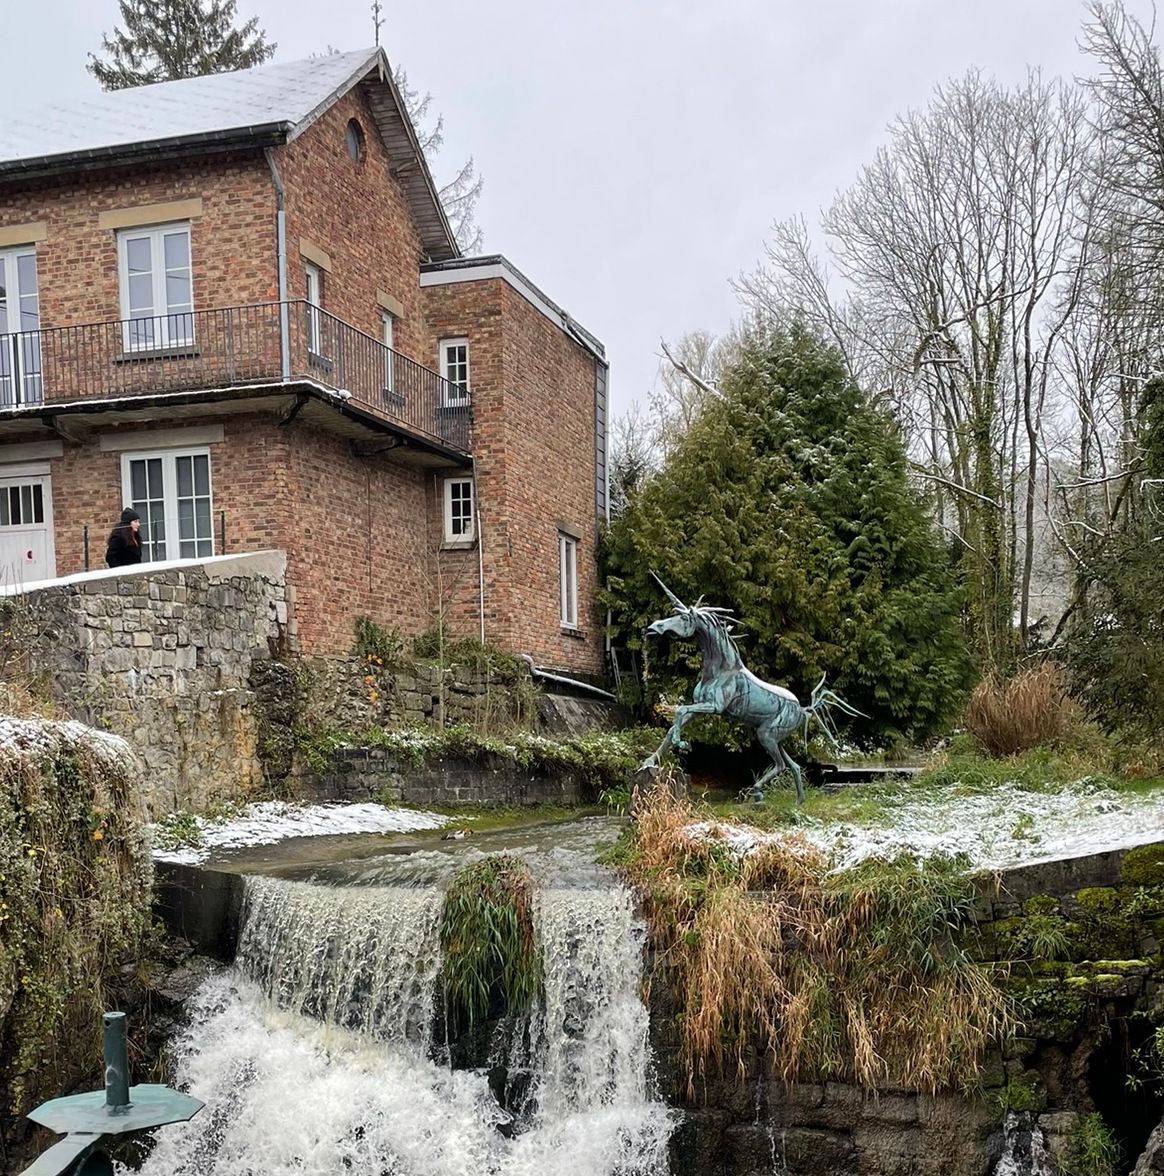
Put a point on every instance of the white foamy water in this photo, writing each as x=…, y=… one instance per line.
x=1024, y=1150
x=312, y=1054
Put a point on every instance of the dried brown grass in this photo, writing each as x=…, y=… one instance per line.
x=1025, y=711
x=853, y=977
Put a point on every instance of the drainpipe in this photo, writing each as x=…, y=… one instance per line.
x=480, y=554
x=281, y=252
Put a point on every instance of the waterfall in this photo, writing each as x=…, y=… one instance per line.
x=1024, y=1150
x=314, y=1053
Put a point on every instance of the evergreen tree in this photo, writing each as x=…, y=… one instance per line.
x=167, y=39
x=788, y=501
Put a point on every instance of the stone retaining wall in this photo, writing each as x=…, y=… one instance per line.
x=1087, y=1015
x=360, y=773
x=163, y=657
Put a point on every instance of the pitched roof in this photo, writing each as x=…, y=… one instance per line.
x=260, y=107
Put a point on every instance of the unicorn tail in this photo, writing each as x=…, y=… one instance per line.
x=824, y=701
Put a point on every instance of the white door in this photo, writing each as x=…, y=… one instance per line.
x=20, y=376
x=26, y=530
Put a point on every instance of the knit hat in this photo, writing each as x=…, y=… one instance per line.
x=129, y=514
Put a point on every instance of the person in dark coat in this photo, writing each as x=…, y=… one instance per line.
x=125, y=540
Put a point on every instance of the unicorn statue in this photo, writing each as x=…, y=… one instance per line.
x=727, y=687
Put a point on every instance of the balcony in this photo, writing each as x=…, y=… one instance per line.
x=231, y=347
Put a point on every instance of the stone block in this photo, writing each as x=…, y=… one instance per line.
x=117, y=660
x=141, y=640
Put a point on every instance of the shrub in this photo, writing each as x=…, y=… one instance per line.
x=374, y=641
x=1029, y=709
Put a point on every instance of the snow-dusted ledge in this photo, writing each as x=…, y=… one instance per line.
x=998, y=827
x=267, y=822
x=271, y=564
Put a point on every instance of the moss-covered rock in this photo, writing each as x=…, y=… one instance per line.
x=1041, y=904
x=1144, y=865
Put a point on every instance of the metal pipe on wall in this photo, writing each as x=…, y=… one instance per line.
x=281, y=260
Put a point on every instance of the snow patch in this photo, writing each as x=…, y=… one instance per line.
x=39, y=736
x=996, y=828
x=269, y=821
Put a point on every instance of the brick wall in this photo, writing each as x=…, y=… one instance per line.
x=248, y=475
x=232, y=241
x=354, y=528
x=357, y=543
x=549, y=423
x=533, y=448
x=357, y=213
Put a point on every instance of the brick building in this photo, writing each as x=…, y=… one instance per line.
x=236, y=304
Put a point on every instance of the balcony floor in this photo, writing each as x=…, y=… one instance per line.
x=299, y=400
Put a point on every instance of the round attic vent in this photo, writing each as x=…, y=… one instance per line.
x=355, y=140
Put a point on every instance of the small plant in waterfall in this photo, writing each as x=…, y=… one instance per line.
x=1092, y=1150
x=856, y=976
x=491, y=958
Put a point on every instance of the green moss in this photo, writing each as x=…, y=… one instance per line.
x=1103, y=929
x=75, y=878
x=1052, y=1009
x=1120, y=967
x=1144, y=865
x=1098, y=900
x=604, y=762
x=1041, y=904
x=1025, y=1092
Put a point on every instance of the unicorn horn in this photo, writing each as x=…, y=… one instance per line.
x=670, y=595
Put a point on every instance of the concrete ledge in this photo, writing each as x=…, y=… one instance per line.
x=271, y=564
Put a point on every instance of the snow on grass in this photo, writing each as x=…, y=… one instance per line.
x=269, y=821
x=996, y=827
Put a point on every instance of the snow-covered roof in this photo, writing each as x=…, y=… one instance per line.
x=258, y=107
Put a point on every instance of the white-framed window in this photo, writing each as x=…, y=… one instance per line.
x=459, y=510
x=20, y=372
x=313, y=277
x=388, y=328
x=171, y=491
x=568, y=579
x=157, y=287
x=454, y=356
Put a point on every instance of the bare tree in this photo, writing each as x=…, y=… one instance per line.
x=459, y=195
x=688, y=373
x=955, y=259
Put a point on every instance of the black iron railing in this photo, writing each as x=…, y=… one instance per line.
x=230, y=347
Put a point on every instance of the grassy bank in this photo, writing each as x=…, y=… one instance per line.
x=856, y=976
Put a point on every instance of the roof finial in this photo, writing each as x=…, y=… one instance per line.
x=377, y=8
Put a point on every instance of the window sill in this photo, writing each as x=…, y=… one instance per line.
x=393, y=399
x=458, y=544
x=455, y=408
x=185, y=351
x=574, y=632
x=319, y=362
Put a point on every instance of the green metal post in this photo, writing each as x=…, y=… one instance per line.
x=116, y=1045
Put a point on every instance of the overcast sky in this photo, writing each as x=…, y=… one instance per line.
x=635, y=152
